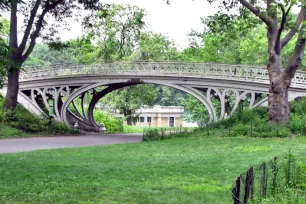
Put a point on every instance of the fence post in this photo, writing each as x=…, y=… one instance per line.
x=249, y=185
x=236, y=191
x=264, y=180
x=274, y=174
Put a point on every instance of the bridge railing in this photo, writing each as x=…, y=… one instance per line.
x=173, y=69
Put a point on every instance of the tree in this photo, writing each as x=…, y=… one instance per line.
x=35, y=13
x=280, y=31
x=167, y=96
x=42, y=55
x=117, y=30
x=195, y=111
x=129, y=99
x=3, y=49
x=155, y=47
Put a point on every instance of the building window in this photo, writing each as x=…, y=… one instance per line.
x=171, y=121
x=141, y=119
x=149, y=119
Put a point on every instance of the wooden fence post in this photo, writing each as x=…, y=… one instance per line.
x=264, y=180
x=274, y=175
x=249, y=185
x=236, y=191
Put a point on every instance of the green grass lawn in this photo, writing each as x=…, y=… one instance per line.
x=189, y=170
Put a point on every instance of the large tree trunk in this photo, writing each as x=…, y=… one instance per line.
x=12, y=88
x=14, y=65
x=279, y=111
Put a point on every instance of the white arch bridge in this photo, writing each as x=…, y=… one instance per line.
x=205, y=81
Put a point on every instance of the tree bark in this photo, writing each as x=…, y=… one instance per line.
x=129, y=117
x=14, y=65
x=12, y=88
x=129, y=121
x=279, y=111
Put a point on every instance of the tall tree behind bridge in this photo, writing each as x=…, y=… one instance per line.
x=35, y=13
x=117, y=30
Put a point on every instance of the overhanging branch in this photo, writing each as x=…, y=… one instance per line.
x=29, y=27
x=292, y=32
x=39, y=25
x=268, y=21
x=296, y=59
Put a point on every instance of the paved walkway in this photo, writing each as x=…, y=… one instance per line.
x=36, y=143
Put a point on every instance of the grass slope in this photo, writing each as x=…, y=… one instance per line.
x=189, y=170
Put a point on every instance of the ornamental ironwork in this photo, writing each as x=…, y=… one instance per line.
x=171, y=69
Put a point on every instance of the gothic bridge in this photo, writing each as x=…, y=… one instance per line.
x=212, y=84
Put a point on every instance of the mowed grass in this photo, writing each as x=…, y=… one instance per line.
x=189, y=170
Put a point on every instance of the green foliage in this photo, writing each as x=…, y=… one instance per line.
x=21, y=122
x=117, y=30
x=4, y=27
x=298, y=123
x=154, y=134
x=155, y=47
x=167, y=96
x=298, y=106
x=112, y=124
x=129, y=99
x=7, y=131
x=285, y=186
x=195, y=111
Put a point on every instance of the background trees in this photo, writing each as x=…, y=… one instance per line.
x=117, y=30
x=129, y=99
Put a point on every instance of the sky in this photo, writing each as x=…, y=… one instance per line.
x=174, y=20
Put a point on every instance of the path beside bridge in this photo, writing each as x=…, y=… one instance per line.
x=38, y=143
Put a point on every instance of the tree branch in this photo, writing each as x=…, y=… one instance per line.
x=292, y=32
x=39, y=25
x=281, y=28
x=296, y=59
x=29, y=27
x=268, y=21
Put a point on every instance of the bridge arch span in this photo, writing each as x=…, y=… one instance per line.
x=69, y=119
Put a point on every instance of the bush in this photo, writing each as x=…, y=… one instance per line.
x=241, y=130
x=111, y=123
x=297, y=123
x=6, y=131
x=153, y=134
x=298, y=106
x=22, y=119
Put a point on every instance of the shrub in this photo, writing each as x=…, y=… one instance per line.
x=111, y=123
x=241, y=130
x=6, y=131
x=297, y=123
x=22, y=119
x=298, y=106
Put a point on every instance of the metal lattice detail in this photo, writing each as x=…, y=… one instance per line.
x=174, y=69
